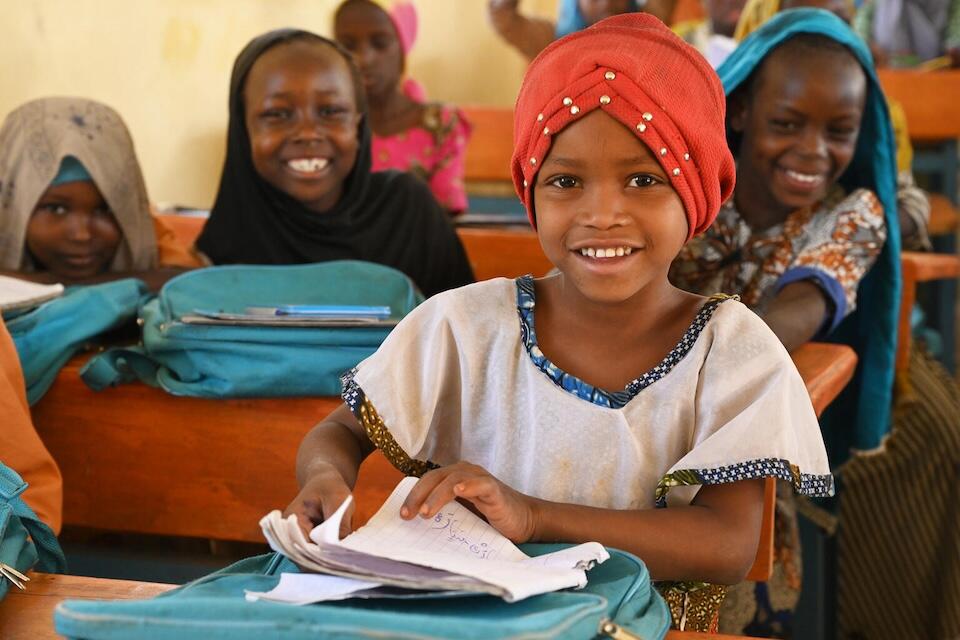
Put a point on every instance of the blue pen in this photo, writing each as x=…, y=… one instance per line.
x=333, y=310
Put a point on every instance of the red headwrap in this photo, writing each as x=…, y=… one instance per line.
x=634, y=68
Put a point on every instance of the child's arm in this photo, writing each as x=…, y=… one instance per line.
x=797, y=313
x=714, y=539
x=529, y=35
x=327, y=464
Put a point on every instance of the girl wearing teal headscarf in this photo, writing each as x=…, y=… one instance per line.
x=809, y=241
x=862, y=315
x=892, y=578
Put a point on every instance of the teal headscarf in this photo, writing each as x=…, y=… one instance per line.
x=571, y=19
x=861, y=416
x=71, y=170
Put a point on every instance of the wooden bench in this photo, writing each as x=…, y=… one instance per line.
x=491, y=145
x=28, y=615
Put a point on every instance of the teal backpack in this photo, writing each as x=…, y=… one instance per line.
x=48, y=336
x=618, y=598
x=25, y=542
x=229, y=361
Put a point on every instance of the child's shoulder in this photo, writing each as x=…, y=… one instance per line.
x=735, y=329
x=473, y=302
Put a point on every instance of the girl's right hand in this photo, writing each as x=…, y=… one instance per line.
x=320, y=496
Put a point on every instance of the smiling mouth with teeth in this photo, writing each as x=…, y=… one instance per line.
x=308, y=165
x=805, y=178
x=611, y=252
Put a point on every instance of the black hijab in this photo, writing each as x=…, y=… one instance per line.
x=388, y=217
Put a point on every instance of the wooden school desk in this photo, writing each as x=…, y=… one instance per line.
x=28, y=615
x=137, y=459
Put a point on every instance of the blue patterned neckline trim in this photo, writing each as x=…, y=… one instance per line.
x=526, y=301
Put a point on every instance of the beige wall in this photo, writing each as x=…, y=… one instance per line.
x=165, y=66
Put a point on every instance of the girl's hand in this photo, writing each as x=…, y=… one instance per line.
x=510, y=512
x=322, y=494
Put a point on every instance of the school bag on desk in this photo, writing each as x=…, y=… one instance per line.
x=224, y=360
x=49, y=335
x=25, y=541
x=618, y=599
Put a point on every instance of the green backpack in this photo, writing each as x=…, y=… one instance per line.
x=48, y=336
x=228, y=361
x=25, y=542
x=618, y=598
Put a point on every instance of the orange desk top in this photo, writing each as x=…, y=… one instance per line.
x=931, y=100
x=28, y=615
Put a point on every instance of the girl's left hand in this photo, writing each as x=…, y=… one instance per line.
x=510, y=512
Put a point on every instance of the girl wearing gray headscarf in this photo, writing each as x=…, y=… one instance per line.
x=73, y=204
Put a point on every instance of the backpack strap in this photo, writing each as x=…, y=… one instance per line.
x=51, y=558
x=119, y=366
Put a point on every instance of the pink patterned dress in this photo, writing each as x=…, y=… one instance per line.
x=435, y=151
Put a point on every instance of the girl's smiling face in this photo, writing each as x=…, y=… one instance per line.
x=799, y=123
x=72, y=232
x=366, y=31
x=301, y=116
x=607, y=216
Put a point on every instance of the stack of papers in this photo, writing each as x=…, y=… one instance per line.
x=453, y=551
x=16, y=294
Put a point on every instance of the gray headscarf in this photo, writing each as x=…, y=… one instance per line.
x=35, y=138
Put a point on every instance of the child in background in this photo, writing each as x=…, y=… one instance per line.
x=713, y=36
x=600, y=403
x=428, y=139
x=530, y=35
x=297, y=186
x=73, y=203
x=812, y=231
x=904, y=33
x=913, y=206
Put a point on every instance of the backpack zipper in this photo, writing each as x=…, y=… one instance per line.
x=609, y=629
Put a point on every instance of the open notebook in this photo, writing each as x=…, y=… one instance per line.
x=18, y=294
x=453, y=551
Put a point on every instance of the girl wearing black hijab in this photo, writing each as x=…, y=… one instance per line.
x=296, y=184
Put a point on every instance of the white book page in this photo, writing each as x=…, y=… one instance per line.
x=453, y=550
x=459, y=542
x=16, y=293
x=308, y=588
x=454, y=530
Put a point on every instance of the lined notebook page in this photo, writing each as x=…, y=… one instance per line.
x=457, y=542
x=455, y=530
x=21, y=294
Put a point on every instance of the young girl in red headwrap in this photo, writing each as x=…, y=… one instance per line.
x=600, y=403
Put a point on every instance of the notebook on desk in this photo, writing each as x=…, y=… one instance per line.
x=455, y=551
x=17, y=294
